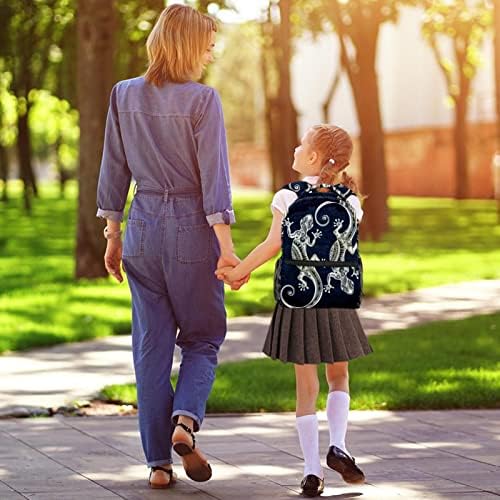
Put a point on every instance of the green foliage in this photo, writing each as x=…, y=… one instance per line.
x=441, y=365
x=210, y=6
x=464, y=23
x=34, y=29
x=354, y=16
x=136, y=18
x=54, y=125
x=8, y=110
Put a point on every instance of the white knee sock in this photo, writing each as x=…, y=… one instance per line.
x=307, y=427
x=337, y=412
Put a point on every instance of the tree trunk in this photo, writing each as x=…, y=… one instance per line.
x=61, y=171
x=364, y=83
x=4, y=172
x=272, y=132
x=361, y=70
x=325, y=107
x=375, y=219
x=280, y=113
x=24, y=157
x=496, y=31
x=460, y=146
x=286, y=122
x=95, y=25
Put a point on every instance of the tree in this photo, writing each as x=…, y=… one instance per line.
x=464, y=24
x=280, y=113
x=136, y=19
x=30, y=48
x=496, y=160
x=357, y=25
x=96, y=22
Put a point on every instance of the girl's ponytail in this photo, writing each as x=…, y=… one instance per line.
x=334, y=145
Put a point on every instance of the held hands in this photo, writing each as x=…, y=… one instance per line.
x=226, y=271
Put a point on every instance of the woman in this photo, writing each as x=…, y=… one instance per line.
x=167, y=132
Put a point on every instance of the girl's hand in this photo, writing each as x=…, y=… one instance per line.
x=229, y=259
x=233, y=275
x=234, y=278
x=113, y=258
x=222, y=271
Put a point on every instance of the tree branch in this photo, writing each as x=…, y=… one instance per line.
x=439, y=60
x=331, y=91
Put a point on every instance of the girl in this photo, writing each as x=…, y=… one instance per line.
x=307, y=337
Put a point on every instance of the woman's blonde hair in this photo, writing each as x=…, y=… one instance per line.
x=177, y=43
x=334, y=147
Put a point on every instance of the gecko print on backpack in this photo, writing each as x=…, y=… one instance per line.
x=320, y=265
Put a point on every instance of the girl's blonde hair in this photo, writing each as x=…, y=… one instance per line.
x=177, y=43
x=334, y=146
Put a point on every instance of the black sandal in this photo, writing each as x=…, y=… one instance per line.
x=162, y=486
x=195, y=464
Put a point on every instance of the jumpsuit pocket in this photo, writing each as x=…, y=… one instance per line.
x=193, y=243
x=133, y=246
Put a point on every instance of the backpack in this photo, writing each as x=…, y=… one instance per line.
x=320, y=265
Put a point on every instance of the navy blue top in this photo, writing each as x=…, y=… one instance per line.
x=169, y=137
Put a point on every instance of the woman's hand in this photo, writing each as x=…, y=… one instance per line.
x=113, y=258
x=229, y=259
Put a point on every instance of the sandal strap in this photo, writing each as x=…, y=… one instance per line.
x=170, y=472
x=189, y=431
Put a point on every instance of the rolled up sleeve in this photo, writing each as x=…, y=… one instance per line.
x=210, y=136
x=114, y=176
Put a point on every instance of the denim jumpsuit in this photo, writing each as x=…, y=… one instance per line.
x=172, y=141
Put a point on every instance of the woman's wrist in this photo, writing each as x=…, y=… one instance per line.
x=227, y=250
x=109, y=234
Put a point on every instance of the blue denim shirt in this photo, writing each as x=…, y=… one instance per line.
x=169, y=137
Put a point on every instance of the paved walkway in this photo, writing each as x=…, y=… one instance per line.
x=405, y=455
x=58, y=375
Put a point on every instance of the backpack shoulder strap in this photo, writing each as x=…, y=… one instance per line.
x=299, y=187
x=343, y=191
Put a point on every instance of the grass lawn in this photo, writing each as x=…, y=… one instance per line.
x=432, y=242
x=446, y=364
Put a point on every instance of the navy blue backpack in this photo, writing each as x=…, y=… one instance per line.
x=320, y=265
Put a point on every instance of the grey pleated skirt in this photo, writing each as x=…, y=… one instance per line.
x=316, y=335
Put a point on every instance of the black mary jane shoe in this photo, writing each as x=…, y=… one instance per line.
x=345, y=465
x=162, y=486
x=312, y=486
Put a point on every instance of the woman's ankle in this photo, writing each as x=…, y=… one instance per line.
x=185, y=420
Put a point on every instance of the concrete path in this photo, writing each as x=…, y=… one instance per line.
x=55, y=376
x=406, y=455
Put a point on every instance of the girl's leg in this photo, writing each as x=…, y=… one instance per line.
x=307, y=387
x=337, y=411
x=337, y=406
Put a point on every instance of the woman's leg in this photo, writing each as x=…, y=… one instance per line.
x=153, y=341
x=198, y=304
x=337, y=406
x=307, y=388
